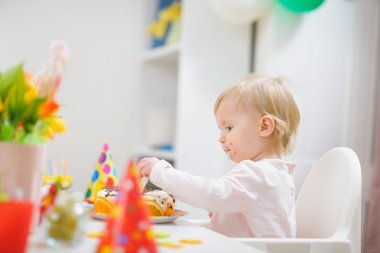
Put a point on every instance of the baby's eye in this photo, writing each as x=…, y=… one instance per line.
x=229, y=128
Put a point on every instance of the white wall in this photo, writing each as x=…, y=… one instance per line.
x=99, y=92
x=329, y=56
x=214, y=54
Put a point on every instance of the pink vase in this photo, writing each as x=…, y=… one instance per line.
x=21, y=171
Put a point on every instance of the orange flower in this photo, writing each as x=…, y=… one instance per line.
x=49, y=108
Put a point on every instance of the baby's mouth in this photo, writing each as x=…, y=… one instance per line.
x=228, y=152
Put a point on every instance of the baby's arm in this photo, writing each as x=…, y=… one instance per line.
x=238, y=189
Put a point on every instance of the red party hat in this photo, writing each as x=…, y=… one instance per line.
x=128, y=228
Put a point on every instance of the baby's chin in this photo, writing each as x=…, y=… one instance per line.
x=233, y=158
x=237, y=159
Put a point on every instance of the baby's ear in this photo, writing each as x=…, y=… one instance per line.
x=267, y=125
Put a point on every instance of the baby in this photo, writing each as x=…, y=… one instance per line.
x=257, y=117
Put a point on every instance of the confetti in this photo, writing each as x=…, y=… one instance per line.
x=190, y=241
x=94, y=234
x=161, y=235
x=170, y=245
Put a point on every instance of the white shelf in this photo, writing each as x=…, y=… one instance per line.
x=159, y=81
x=164, y=54
x=162, y=154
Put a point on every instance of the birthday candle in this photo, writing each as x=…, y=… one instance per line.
x=55, y=168
x=50, y=168
x=64, y=167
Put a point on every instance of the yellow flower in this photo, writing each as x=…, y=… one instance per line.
x=31, y=94
x=57, y=124
x=1, y=106
x=47, y=133
x=31, y=89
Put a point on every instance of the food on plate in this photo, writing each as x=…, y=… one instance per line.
x=106, y=199
x=159, y=203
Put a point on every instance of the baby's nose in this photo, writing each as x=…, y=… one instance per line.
x=222, y=139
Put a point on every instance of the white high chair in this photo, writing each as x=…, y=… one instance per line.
x=328, y=209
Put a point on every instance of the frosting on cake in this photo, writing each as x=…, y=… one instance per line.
x=105, y=199
x=163, y=200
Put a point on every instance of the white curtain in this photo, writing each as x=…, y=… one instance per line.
x=372, y=242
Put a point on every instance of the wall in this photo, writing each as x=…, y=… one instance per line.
x=99, y=92
x=329, y=56
x=214, y=54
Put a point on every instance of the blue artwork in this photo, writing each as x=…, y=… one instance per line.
x=161, y=5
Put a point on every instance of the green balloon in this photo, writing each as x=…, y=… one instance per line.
x=301, y=5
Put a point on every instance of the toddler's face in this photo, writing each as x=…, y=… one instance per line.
x=240, y=131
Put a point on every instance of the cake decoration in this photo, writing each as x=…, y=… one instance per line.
x=106, y=199
x=103, y=175
x=159, y=203
x=128, y=227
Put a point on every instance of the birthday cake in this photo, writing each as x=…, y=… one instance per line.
x=106, y=199
x=159, y=203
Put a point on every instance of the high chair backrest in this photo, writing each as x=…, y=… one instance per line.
x=330, y=196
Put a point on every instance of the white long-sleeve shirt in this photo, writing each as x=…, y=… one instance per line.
x=255, y=199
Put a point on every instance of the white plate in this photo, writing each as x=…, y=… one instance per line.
x=163, y=219
x=155, y=219
x=99, y=216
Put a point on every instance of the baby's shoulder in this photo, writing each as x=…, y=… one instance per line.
x=254, y=164
x=248, y=166
x=266, y=166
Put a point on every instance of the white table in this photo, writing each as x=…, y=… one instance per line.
x=179, y=229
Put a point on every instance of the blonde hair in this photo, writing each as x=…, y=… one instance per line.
x=267, y=96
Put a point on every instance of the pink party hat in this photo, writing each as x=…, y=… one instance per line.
x=128, y=228
x=103, y=175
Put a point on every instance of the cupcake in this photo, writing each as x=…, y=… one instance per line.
x=159, y=203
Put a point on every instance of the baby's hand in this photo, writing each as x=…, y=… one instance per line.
x=210, y=214
x=146, y=165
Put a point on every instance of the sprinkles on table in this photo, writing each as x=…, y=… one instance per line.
x=174, y=245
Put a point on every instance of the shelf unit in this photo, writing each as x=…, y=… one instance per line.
x=163, y=55
x=159, y=82
x=163, y=154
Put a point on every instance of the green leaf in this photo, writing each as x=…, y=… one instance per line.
x=6, y=131
x=31, y=115
x=14, y=102
x=13, y=76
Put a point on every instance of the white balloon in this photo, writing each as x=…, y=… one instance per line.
x=240, y=12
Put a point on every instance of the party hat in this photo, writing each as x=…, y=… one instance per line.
x=103, y=175
x=48, y=199
x=128, y=227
